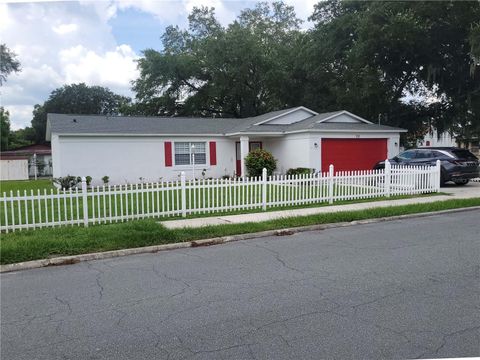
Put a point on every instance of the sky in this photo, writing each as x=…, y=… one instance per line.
x=95, y=42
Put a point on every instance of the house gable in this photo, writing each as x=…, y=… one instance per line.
x=344, y=117
x=289, y=117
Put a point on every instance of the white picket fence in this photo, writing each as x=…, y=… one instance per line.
x=107, y=204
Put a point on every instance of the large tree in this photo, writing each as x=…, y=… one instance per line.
x=76, y=99
x=8, y=63
x=4, y=129
x=408, y=63
x=236, y=71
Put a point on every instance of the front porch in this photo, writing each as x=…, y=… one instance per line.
x=290, y=151
x=245, y=144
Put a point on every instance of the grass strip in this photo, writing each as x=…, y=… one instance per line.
x=21, y=185
x=49, y=242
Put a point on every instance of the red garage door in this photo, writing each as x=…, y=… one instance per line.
x=352, y=154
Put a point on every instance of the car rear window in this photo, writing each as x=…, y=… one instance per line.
x=463, y=154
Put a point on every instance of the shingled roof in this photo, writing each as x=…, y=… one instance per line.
x=139, y=125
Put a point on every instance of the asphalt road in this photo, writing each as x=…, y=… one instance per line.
x=400, y=289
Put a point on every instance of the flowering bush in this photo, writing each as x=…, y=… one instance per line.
x=258, y=159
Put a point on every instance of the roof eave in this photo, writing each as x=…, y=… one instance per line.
x=254, y=133
x=48, y=132
x=132, y=134
x=347, y=130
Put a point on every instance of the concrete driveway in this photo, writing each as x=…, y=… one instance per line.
x=472, y=189
x=393, y=290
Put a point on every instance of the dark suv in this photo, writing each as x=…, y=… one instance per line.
x=458, y=165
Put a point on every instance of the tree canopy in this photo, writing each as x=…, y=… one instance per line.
x=402, y=63
x=8, y=63
x=409, y=64
x=4, y=129
x=236, y=71
x=76, y=99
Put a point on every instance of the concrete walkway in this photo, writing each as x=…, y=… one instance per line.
x=471, y=190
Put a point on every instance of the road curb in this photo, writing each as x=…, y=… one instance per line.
x=74, y=259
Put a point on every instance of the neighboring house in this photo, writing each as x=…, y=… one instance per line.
x=42, y=153
x=13, y=167
x=133, y=149
x=433, y=139
x=448, y=139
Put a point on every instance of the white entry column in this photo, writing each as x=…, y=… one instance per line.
x=243, y=153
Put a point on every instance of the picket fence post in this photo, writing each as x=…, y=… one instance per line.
x=388, y=177
x=330, y=184
x=184, y=194
x=84, y=201
x=438, y=174
x=264, y=189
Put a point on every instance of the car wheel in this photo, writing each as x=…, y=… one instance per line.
x=461, y=182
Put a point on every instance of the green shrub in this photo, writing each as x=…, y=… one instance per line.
x=88, y=179
x=258, y=159
x=67, y=182
x=105, y=179
x=299, y=171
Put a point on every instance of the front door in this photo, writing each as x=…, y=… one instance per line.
x=252, y=145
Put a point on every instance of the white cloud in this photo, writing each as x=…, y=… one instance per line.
x=61, y=43
x=63, y=29
x=114, y=69
x=303, y=9
x=176, y=12
x=23, y=115
x=5, y=18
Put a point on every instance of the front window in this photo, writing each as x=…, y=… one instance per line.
x=184, y=151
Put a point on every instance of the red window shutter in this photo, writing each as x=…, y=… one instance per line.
x=168, y=153
x=213, y=153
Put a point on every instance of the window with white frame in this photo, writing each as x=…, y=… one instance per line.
x=184, y=151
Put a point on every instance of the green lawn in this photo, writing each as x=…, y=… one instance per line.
x=115, y=205
x=42, y=243
x=21, y=185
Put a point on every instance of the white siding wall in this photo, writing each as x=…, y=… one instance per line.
x=291, y=151
x=14, y=169
x=127, y=159
x=445, y=139
x=299, y=150
x=56, y=164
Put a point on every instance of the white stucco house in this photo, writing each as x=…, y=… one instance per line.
x=432, y=138
x=133, y=149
